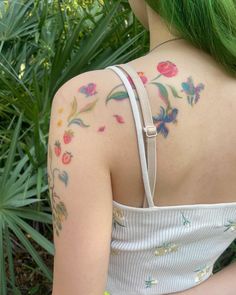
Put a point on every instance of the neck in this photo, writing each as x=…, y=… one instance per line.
x=158, y=30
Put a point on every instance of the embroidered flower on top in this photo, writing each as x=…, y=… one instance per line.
x=186, y=222
x=118, y=217
x=114, y=252
x=231, y=225
x=166, y=248
x=202, y=272
x=150, y=282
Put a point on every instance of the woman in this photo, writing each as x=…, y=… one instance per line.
x=100, y=184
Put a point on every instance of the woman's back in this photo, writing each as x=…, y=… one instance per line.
x=170, y=247
x=166, y=247
x=196, y=158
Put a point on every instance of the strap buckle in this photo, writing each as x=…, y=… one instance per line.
x=150, y=131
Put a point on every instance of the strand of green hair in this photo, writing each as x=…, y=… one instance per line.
x=207, y=24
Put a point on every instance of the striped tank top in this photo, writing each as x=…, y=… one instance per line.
x=167, y=249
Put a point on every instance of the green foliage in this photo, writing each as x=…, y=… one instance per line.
x=20, y=188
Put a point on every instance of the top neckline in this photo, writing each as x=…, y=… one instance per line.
x=175, y=207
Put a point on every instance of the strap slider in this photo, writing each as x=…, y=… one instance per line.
x=150, y=131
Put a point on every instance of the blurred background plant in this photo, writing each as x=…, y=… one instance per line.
x=44, y=43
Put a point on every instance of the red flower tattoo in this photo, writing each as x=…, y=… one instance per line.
x=167, y=68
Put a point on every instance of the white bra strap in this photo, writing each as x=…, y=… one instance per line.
x=139, y=130
x=149, y=127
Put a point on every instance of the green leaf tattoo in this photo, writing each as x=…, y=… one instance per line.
x=174, y=91
x=79, y=122
x=73, y=116
x=163, y=93
x=119, y=95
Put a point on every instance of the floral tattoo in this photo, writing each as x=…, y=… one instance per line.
x=73, y=117
x=59, y=211
x=168, y=114
x=88, y=90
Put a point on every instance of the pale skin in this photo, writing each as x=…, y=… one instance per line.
x=223, y=282
x=88, y=152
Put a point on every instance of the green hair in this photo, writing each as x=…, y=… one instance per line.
x=207, y=24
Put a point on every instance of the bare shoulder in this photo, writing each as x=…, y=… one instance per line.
x=84, y=105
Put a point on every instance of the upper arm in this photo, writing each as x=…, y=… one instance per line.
x=80, y=191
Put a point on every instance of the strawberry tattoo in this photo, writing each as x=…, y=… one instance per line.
x=66, y=158
x=57, y=148
x=67, y=137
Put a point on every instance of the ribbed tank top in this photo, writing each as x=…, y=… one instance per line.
x=167, y=249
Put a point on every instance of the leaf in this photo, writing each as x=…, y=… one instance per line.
x=63, y=176
x=119, y=95
x=3, y=285
x=61, y=210
x=34, y=234
x=163, y=93
x=88, y=107
x=10, y=260
x=32, y=214
x=21, y=203
x=79, y=122
x=90, y=47
x=174, y=91
x=73, y=109
x=11, y=152
x=29, y=247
